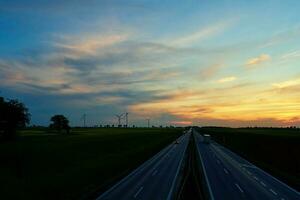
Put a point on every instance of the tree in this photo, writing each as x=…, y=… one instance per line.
x=60, y=122
x=13, y=115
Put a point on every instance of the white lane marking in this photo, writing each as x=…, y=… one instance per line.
x=263, y=183
x=225, y=170
x=237, y=185
x=255, y=178
x=153, y=174
x=273, y=191
x=248, y=166
x=221, y=148
x=249, y=173
x=137, y=193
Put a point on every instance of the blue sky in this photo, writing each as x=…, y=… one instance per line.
x=231, y=63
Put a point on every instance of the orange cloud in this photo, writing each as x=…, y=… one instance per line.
x=287, y=84
x=210, y=71
x=227, y=79
x=258, y=60
x=228, y=104
x=181, y=123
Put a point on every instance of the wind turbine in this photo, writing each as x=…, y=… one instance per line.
x=83, y=117
x=126, y=117
x=119, y=119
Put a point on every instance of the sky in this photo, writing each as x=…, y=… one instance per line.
x=194, y=62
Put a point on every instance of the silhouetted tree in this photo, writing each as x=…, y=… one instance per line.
x=60, y=122
x=13, y=115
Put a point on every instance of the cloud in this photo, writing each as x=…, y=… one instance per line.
x=210, y=71
x=227, y=79
x=202, y=33
x=291, y=55
x=90, y=71
x=281, y=37
x=181, y=123
x=289, y=87
x=212, y=106
x=286, y=84
x=258, y=60
x=89, y=45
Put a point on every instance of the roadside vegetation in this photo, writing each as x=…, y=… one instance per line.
x=276, y=150
x=13, y=116
x=42, y=164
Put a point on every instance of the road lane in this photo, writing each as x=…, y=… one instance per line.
x=155, y=179
x=232, y=177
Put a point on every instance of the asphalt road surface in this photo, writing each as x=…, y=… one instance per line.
x=228, y=176
x=155, y=179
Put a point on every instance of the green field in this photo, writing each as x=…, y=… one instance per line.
x=275, y=150
x=41, y=165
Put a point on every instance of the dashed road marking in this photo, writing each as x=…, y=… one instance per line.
x=225, y=170
x=237, y=185
x=255, y=178
x=153, y=174
x=263, y=183
x=273, y=192
x=137, y=193
x=248, y=166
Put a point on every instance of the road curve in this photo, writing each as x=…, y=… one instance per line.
x=228, y=176
x=156, y=178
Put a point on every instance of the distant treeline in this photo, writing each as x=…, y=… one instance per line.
x=254, y=127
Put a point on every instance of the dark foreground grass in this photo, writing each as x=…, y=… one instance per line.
x=41, y=165
x=275, y=150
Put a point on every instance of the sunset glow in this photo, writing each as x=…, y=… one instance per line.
x=176, y=62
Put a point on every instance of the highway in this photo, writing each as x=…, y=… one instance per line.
x=228, y=176
x=157, y=178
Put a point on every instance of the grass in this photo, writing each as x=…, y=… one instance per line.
x=43, y=165
x=276, y=150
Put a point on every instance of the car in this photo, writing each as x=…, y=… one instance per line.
x=206, y=138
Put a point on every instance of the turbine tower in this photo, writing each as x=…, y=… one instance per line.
x=126, y=117
x=83, y=117
x=119, y=119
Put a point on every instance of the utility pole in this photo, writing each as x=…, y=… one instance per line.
x=148, y=120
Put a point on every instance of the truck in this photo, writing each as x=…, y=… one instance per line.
x=206, y=138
